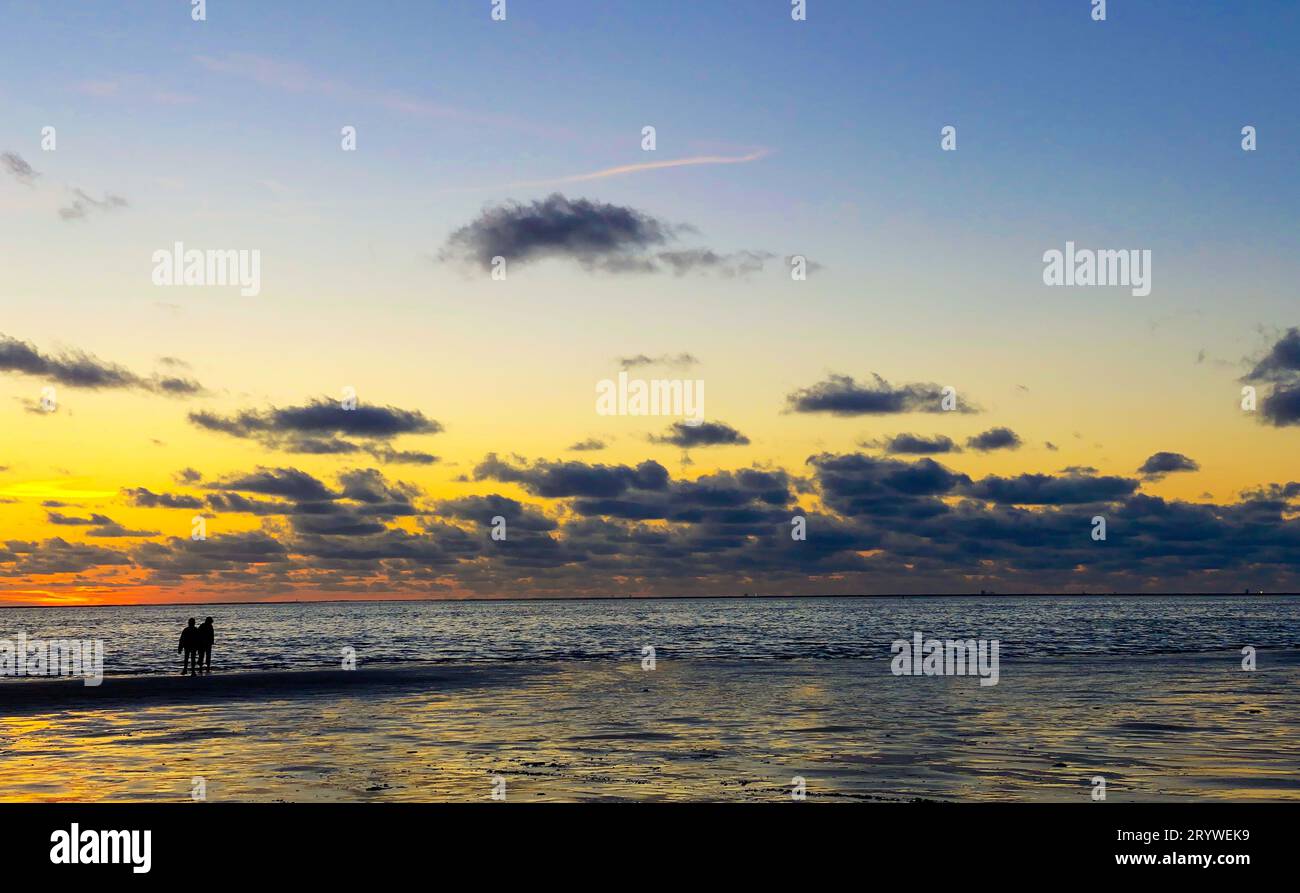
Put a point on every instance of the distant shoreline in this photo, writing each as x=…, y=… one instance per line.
x=666, y=598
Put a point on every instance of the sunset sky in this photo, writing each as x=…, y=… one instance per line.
x=523, y=139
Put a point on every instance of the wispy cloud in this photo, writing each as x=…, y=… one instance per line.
x=623, y=170
x=83, y=205
x=19, y=168
x=293, y=77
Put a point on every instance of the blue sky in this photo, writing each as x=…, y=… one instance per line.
x=1116, y=134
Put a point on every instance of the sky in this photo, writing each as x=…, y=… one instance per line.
x=129, y=408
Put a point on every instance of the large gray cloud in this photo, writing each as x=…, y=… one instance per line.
x=1282, y=362
x=1046, y=489
x=321, y=426
x=1281, y=368
x=597, y=236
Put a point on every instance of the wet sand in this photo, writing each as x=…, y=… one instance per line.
x=1167, y=727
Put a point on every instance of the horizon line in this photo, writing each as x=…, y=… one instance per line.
x=646, y=598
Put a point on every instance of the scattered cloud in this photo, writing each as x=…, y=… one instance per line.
x=681, y=360
x=841, y=395
x=84, y=205
x=915, y=444
x=99, y=525
x=702, y=435
x=78, y=369
x=995, y=439
x=597, y=236
x=320, y=426
x=1160, y=464
x=589, y=445
x=19, y=168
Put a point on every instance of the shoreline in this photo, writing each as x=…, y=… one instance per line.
x=1156, y=728
x=40, y=693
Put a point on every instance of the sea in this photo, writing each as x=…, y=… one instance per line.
x=142, y=640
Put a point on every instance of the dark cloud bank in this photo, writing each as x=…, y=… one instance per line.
x=874, y=523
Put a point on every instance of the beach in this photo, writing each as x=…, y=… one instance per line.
x=1156, y=727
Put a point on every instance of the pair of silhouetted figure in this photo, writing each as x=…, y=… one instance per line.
x=196, y=642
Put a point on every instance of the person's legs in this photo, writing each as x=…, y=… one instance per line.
x=205, y=659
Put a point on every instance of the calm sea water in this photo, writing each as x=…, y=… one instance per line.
x=291, y=636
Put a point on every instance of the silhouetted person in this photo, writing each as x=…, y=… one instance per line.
x=206, y=635
x=190, y=637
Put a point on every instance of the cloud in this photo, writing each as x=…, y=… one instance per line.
x=679, y=360
x=1282, y=406
x=389, y=456
x=145, y=498
x=101, y=525
x=482, y=509
x=318, y=427
x=995, y=439
x=599, y=237
x=19, y=168
x=916, y=444
x=83, y=205
x=874, y=523
x=554, y=480
x=286, y=482
x=705, y=260
x=702, y=435
x=55, y=556
x=1281, y=368
x=596, y=235
x=1043, y=489
x=294, y=78
x=1282, y=362
x=859, y=485
x=810, y=266
x=78, y=369
x=1160, y=464
x=588, y=445
x=65, y=520
x=840, y=395
x=625, y=169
